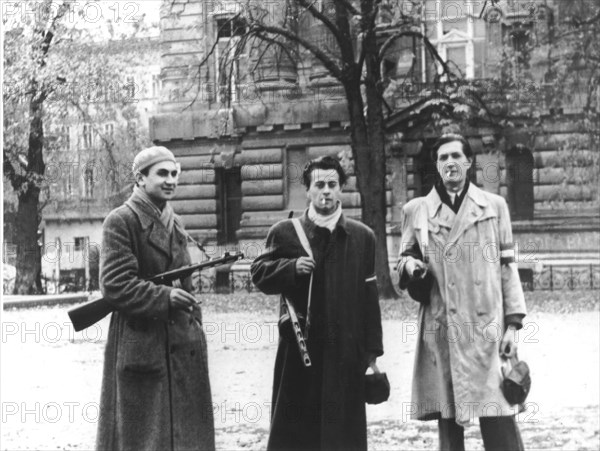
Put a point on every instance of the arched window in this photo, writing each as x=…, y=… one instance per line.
x=519, y=181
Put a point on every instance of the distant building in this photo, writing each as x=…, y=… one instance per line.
x=243, y=160
x=84, y=185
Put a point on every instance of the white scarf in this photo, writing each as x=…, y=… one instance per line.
x=327, y=222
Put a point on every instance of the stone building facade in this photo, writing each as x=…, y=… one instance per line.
x=242, y=160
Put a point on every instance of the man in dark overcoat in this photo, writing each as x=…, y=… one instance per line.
x=473, y=307
x=322, y=407
x=155, y=387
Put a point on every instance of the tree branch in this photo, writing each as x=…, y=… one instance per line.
x=204, y=60
x=281, y=45
x=323, y=19
x=349, y=7
x=335, y=70
x=16, y=179
x=424, y=39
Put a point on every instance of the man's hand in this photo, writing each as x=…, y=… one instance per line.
x=305, y=265
x=370, y=357
x=508, y=346
x=414, y=265
x=182, y=300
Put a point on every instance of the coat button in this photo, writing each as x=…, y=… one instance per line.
x=451, y=285
x=453, y=311
x=478, y=282
x=172, y=322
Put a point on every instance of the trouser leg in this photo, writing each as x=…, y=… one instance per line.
x=451, y=435
x=500, y=434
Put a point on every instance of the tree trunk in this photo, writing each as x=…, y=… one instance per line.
x=29, y=264
x=374, y=206
x=369, y=158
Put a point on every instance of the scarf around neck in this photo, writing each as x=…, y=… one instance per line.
x=455, y=203
x=166, y=216
x=327, y=222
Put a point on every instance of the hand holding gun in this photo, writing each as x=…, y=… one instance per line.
x=85, y=315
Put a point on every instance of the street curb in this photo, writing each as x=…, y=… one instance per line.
x=24, y=302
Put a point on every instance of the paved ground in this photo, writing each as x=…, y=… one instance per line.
x=51, y=376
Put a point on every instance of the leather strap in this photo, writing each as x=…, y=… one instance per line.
x=306, y=245
x=424, y=231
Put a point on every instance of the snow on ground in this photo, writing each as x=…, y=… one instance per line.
x=51, y=377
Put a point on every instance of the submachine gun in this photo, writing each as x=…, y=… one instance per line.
x=91, y=312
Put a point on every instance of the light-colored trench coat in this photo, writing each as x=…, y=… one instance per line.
x=155, y=385
x=457, y=370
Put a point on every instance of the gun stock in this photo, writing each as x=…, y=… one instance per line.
x=88, y=314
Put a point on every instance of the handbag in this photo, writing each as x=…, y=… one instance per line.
x=517, y=380
x=420, y=288
x=377, y=386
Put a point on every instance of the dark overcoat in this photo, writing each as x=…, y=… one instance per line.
x=323, y=407
x=155, y=387
x=457, y=371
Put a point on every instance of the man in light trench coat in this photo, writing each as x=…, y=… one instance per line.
x=475, y=303
x=155, y=386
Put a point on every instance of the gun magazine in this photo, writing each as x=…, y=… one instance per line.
x=298, y=334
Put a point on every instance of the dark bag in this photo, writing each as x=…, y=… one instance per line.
x=377, y=386
x=517, y=380
x=420, y=289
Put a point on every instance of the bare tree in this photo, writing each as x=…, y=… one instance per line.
x=44, y=51
x=349, y=46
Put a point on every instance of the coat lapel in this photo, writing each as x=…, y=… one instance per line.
x=158, y=236
x=472, y=210
x=438, y=216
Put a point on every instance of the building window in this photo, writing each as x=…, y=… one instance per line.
x=65, y=136
x=295, y=189
x=229, y=185
x=130, y=88
x=68, y=185
x=80, y=243
x=156, y=86
x=132, y=132
x=88, y=182
x=520, y=37
x=460, y=37
x=229, y=31
x=88, y=136
x=519, y=181
x=109, y=132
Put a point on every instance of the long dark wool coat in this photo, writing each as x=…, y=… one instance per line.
x=155, y=387
x=323, y=407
